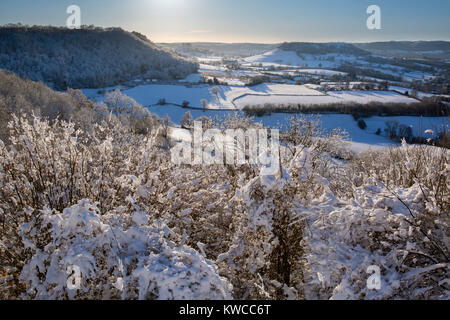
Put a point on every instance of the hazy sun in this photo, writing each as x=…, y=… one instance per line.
x=168, y=3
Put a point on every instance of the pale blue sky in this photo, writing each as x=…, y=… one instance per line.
x=246, y=20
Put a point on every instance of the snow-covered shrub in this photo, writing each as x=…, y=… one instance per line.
x=18, y=96
x=374, y=229
x=306, y=131
x=54, y=166
x=266, y=257
x=130, y=113
x=111, y=202
x=422, y=168
x=118, y=258
x=51, y=167
x=207, y=123
x=266, y=242
x=397, y=222
x=236, y=121
x=396, y=219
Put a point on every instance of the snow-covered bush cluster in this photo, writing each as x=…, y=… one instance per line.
x=119, y=257
x=396, y=219
x=18, y=96
x=98, y=201
x=86, y=58
x=109, y=200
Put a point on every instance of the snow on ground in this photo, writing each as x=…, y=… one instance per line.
x=193, y=78
x=322, y=72
x=282, y=89
x=227, y=98
x=417, y=75
x=207, y=60
x=220, y=71
x=420, y=94
x=234, y=95
x=371, y=96
x=245, y=73
x=281, y=58
x=276, y=56
x=362, y=97
x=419, y=125
x=361, y=140
x=210, y=68
x=290, y=58
x=147, y=95
x=297, y=72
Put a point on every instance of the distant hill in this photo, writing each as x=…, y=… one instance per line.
x=409, y=49
x=406, y=45
x=323, y=48
x=205, y=49
x=86, y=58
x=348, y=58
x=391, y=49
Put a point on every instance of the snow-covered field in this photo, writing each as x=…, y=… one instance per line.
x=223, y=100
x=147, y=95
x=362, y=97
x=193, y=78
x=150, y=94
x=230, y=99
x=282, y=58
x=295, y=72
x=207, y=68
x=361, y=140
x=237, y=97
x=420, y=94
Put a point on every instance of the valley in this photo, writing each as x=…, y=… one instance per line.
x=135, y=170
x=275, y=85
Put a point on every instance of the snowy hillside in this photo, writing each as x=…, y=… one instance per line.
x=92, y=57
x=346, y=60
x=312, y=55
x=276, y=56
